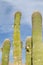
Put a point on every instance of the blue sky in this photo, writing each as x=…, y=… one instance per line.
x=7, y=10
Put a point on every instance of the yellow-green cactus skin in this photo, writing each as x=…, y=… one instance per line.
x=28, y=51
x=37, y=39
x=17, y=52
x=5, y=52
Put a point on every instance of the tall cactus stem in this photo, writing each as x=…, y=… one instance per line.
x=17, y=52
x=37, y=38
x=5, y=52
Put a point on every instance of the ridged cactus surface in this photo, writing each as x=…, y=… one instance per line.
x=28, y=51
x=16, y=40
x=5, y=52
x=37, y=39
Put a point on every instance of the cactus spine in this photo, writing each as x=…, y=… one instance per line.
x=5, y=52
x=37, y=39
x=16, y=40
x=28, y=51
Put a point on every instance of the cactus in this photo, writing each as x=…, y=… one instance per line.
x=28, y=51
x=16, y=40
x=37, y=39
x=5, y=52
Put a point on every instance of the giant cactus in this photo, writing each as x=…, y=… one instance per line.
x=5, y=52
x=37, y=39
x=28, y=51
x=16, y=40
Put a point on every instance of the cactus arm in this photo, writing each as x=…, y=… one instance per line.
x=5, y=52
x=37, y=39
x=28, y=51
x=16, y=40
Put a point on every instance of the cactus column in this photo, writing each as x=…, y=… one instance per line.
x=5, y=52
x=37, y=39
x=28, y=51
x=16, y=40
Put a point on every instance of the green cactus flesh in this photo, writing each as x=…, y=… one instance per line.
x=5, y=52
x=37, y=39
x=28, y=51
x=16, y=40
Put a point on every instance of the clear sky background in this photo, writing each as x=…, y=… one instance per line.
x=7, y=10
